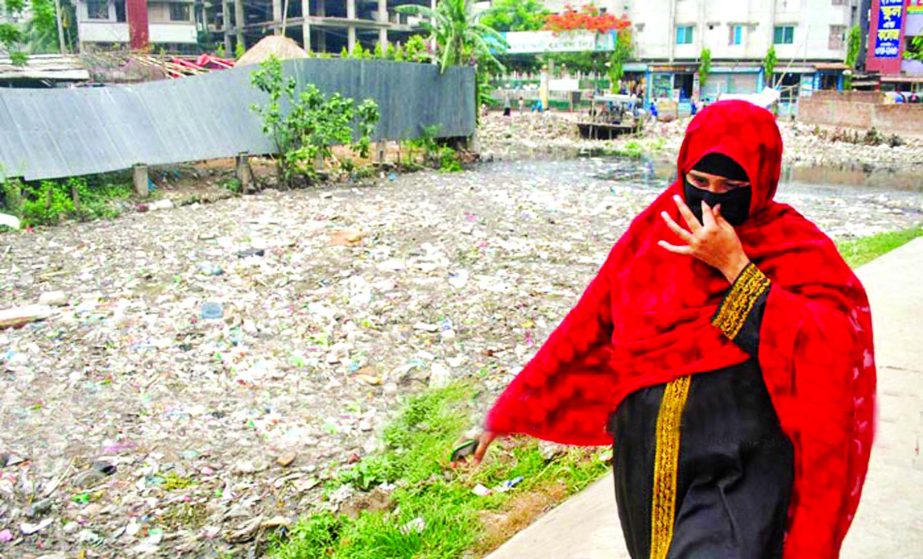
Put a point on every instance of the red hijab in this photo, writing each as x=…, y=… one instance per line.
x=645, y=319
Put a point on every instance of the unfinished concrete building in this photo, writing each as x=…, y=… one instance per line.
x=321, y=25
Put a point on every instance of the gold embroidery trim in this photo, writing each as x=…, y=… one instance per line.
x=666, y=461
x=739, y=302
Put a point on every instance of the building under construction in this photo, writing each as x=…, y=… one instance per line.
x=318, y=25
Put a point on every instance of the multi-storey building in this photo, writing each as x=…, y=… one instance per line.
x=894, y=26
x=809, y=37
x=168, y=25
x=322, y=25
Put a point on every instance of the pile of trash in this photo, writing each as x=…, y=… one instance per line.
x=182, y=382
x=534, y=134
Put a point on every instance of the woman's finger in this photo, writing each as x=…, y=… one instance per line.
x=719, y=219
x=708, y=218
x=484, y=441
x=687, y=214
x=675, y=249
x=680, y=232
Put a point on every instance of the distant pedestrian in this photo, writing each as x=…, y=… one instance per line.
x=898, y=97
x=724, y=350
x=653, y=109
x=522, y=105
x=914, y=97
x=507, y=110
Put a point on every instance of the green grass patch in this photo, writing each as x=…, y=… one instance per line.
x=860, y=251
x=50, y=202
x=432, y=511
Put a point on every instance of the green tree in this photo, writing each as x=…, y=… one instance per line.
x=915, y=49
x=516, y=15
x=704, y=66
x=358, y=52
x=853, y=44
x=769, y=66
x=12, y=35
x=38, y=34
x=416, y=51
x=42, y=29
x=313, y=123
x=461, y=38
x=624, y=50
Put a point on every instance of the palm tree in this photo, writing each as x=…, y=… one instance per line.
x=460, y=37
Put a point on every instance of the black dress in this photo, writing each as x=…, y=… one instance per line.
x=702, y=467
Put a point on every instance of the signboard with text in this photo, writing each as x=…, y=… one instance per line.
x=888, y=34
x=915, y=6
x=525, y=42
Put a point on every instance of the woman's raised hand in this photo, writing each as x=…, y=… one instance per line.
x=713, y=241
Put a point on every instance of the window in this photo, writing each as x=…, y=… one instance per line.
x=179, y=12
x=737, y=35
x=836, y=37
x=783, y=35
x=684, y=35
x=98, y=9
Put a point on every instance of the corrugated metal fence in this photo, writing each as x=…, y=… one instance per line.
x=53, y=133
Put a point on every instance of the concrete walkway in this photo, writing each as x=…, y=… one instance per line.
x=889, y=523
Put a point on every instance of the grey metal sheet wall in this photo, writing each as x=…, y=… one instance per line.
x=53, y=133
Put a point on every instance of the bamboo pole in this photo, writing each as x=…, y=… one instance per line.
x=57, y=14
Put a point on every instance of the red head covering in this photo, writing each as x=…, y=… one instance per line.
x=646, y=319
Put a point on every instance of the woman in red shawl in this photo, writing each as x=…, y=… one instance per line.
x=726, y=348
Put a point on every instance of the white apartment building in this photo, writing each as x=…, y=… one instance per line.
x=171, y=24
x=809, y=37
x=741, y=30
x=734, y=29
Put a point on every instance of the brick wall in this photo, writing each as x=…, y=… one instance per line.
x=862, y=110
x=873, y=97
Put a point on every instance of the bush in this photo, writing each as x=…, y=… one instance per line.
x=232, y=184
x=415, y=50
x=11, y=196
x=303, y=136
x=51, y=202
x=448, y=160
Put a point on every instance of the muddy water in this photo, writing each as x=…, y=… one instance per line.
x=658, y=172
x=856, y=176
x=843, y=202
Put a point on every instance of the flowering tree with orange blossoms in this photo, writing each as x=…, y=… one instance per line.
x=588, y=18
